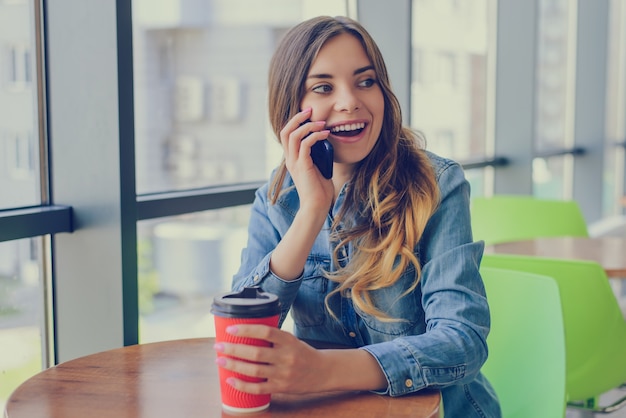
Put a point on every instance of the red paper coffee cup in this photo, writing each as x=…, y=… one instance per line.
x=250, y=306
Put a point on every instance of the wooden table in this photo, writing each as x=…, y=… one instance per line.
x=179, y=379
x=609, y=252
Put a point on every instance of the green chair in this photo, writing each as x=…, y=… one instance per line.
x=526, y=363
x=595, y=330
x=503, y=218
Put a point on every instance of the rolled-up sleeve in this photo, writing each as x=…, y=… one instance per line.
x=254, y=270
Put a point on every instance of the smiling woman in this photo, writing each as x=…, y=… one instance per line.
x=373, y=258
x=182, y=132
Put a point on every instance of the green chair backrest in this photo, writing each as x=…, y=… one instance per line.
x=595, y=330
x=526, y=363
x=503, y=218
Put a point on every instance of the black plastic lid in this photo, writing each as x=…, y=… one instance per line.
x=251, y=302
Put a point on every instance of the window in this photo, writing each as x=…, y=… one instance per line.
x=24, y=307
x=201, y=121
x=184, y=262
x=200, y=91
x=449, y=91
x=19, y=104
x=615, y=144
x=554, y=97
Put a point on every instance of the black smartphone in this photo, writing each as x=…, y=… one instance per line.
x=322, y=155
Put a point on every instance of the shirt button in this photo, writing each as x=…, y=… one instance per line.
x=352, y=334
x=257, y=279
x=408, y=383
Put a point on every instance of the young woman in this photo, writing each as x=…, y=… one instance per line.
x=379, y=258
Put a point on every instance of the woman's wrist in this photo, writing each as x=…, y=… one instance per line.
x=290, y=255
x=351, y=369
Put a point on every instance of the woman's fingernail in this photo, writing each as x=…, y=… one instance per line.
x=308, y=109
x=218, y=347
x=232, y=329
x=220, y=361
x=230, y=381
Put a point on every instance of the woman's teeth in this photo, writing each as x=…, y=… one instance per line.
x=348, y=129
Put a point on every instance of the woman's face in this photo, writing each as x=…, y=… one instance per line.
x=342, y=89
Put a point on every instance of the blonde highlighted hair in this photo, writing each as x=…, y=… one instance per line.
x=393, y=191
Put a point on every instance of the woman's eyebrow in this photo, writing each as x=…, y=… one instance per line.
x=363, y=69
x=356, y=72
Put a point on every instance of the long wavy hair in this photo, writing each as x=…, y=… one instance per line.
x=393, y=191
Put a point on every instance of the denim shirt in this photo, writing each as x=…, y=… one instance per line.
x=440, y=341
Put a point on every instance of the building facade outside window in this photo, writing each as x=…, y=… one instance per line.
x=23, y=272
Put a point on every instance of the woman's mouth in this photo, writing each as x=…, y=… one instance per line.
x=348, y=130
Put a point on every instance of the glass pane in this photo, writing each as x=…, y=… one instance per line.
x=21, y=313
x=548, y=177
x=19, y=156
x=200, y=88
x=449, y=75
x=183, y=262
x=615, y=111
x=555, y=104
x=554, y=75
x=476, y=179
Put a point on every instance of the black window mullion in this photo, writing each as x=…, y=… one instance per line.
x=35, y=221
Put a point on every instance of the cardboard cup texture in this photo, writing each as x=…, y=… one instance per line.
x=250, y=306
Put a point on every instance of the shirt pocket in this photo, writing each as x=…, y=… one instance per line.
x=309, y=309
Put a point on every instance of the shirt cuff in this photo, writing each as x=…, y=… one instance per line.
x=403, y=372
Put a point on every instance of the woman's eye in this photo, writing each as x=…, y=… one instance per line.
x=369, y=82
x=324, y=88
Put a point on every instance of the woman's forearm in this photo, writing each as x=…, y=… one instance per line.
x=290, y=255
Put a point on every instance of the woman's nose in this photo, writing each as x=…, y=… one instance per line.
x=347, y=101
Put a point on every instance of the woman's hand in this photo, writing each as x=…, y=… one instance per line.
x=293, y=366
x=289, y=366
x=314, y=190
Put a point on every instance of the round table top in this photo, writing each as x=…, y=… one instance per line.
x=178, y=378
x=609, y=252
